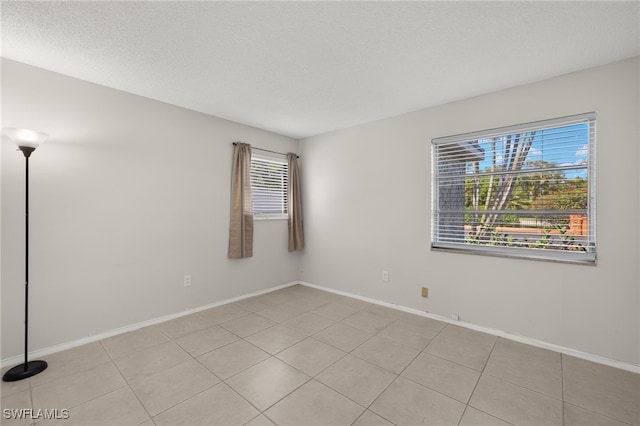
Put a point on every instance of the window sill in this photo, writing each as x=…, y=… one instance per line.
x=270, y=217
x=580, y=258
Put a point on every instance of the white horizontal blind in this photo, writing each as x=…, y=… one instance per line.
x=524, y=191
x=269, y=178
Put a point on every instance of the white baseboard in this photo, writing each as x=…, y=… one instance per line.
x=522, y=339
x=94, y=338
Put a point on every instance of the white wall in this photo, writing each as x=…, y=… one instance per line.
x=130, y=194
x=127, y=196
x=367, y=208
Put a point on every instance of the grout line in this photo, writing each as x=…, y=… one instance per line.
x=131, y=389
x=600, y=414
x=15, y=360
x=276, y=402
x=493, y=347
x=622, y=365
x=313, y=378
x=177, y=403
x=244, y=369
x=520, y=385
x=397, y=375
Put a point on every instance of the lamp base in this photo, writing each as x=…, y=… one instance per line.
x=19, y=372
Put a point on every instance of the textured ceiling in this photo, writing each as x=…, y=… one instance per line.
x=304, y=68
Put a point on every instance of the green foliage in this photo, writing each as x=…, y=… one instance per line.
x=491, y=238
x=538, y=186
x=538, y=190
x=528, y=187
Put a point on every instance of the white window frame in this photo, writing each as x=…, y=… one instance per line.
x=258, y=159
x=446, y=231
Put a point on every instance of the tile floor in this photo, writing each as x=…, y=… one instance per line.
x=300, y=356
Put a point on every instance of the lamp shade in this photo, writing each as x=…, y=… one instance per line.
x=25, y=137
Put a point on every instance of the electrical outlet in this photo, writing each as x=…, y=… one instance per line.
x=455, y=317
x=385, y=276
x=187, y=281
x=425, y=292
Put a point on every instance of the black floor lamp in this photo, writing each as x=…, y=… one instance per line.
x=27, y=141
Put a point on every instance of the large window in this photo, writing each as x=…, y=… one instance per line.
x=269, y=175
x=524, y=191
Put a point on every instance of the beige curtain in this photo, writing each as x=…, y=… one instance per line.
x=241, y=224
x=296, y=233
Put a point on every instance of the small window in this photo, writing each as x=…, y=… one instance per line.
x=269, y=176
x=522, y=191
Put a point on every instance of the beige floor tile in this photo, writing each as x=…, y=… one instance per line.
x=311, y=356
x=383, y=311
x=422, y=321
x=314, y=404
x=16, y=403
x=407, y=334
x=118, y=408
x=308, y=323
x=475, y=417
x=335, y=311
x=281, y=312
x=356, y=379
x=64, y=363
x=223, y=313
x=260, y=420
x=257, y=303
x=275, y=339
x=444, y=376
x=148, y=362
x=310, y=302
x=79, y=388
x=464, y=346
x=127, y=343
x=534, y=368
x=343, y=337
x=219, y=405
x=274, y=298
x=371, y=419
x=367, y=321
x=8, y=388
x=576, y=416
x=521, y=384
x=515, y=404
x=386, y=354
x=172, y=386
x=606, y=390
x=354, y=303
x=233, y=358
x=184, y=325
x=247, y=324
x=206, y=340
x=335, y=298
x=281, y=296
x=408, y=403
x=267, y=382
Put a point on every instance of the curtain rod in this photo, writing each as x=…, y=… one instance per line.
x=267, y=150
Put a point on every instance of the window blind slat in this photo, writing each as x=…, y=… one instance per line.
x=269, y=177
x=529, y=187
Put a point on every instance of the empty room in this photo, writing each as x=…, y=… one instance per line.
x=320, y=213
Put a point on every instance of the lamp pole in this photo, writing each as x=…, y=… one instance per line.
x=27, y=141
